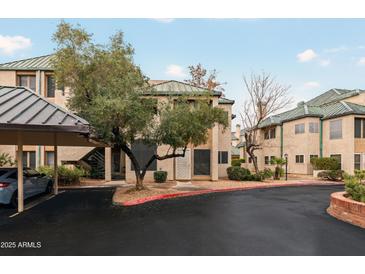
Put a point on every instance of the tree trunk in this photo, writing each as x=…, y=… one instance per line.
x=139, y=183
x=253, y=158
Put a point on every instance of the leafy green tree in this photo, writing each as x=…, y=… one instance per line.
x=109, y=91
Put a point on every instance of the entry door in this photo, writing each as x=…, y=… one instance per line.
x=202, y=162
x=183, y=165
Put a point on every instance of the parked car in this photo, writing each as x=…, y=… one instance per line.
x=34, y=184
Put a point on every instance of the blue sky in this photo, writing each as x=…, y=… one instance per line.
x=311, y=55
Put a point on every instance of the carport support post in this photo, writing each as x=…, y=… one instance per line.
x=55, y=170
x=20, y=175
x=55, y=167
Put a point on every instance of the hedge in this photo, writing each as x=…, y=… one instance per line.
x=325, y=163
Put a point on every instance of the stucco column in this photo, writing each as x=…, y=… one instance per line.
x=214, y=148
x=108, y=164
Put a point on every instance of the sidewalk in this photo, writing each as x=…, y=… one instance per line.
x=128, y=196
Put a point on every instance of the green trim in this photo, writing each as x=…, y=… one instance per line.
x=281, y=141
x=320, y=138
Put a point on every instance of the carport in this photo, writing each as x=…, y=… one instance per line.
x=27, y=118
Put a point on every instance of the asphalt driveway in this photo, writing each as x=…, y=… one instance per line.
x=278, y=221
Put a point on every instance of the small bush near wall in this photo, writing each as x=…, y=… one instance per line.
x=325, y=163
x=160, y=176
x=266, y=173
x=355, y=186
x=66, y=175
x=333, y=175
x=237, y=162
x=242, y=174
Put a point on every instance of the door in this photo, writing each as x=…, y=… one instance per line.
x=183, y=165
x=202, y=162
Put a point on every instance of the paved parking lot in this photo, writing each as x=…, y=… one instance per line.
x=280, y=221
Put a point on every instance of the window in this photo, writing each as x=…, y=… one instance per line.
x=299, y=128
x=51, y=87
x=29, y=159
x=312, y=156
x=299, y=159
x=313, y=127
x=267, y=160
x=338, y=157
x=201, y=161
x=336, y=129
x=222, y=157
x=357, y=161
x=357, y=127
x=49, y=158
x=27, y=81
x=143, y=154
x=272, y=159
x=270, y=133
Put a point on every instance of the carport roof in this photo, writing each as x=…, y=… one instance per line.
x=22, y=108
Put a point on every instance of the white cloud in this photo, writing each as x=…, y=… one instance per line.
x=311, y=84
x=338, y=49
x=325, y=62
x=361, y=61
x=175, y=71
x=306, y=55
x=164, y=20
x=11, y=44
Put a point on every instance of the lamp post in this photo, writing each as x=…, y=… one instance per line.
x=286, y=166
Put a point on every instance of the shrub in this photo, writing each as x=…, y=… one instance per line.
x=253, y=177
x=279, y=171
x=160, y=176
x=237, y=162
x=333, y=175
x=355, y=188
x=237, y=173
x=266, y=173
x=6, y=160
x=66, y=175
x=325, y=163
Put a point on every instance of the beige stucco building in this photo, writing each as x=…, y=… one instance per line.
x=208, y=161
x=330, y=125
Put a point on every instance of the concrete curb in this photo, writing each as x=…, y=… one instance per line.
x=84, y=187
x=207, y=191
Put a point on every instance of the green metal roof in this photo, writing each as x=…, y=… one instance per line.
x=174, y=87
x=36, y=63
x=225, y=101
x=324, y=111
x=241, y=144
x=235, y=151
x=233, y=136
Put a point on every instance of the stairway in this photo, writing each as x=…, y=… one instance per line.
x=95, y=159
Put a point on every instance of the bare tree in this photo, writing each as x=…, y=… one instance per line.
x=201, y=78
x=265, y=98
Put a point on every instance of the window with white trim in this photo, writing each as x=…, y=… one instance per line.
x=299, y=159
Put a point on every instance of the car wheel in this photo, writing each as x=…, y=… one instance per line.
x=49, y=187
x=14, y=200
